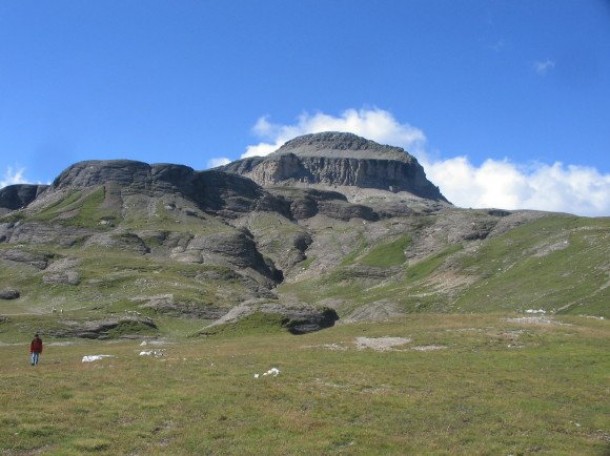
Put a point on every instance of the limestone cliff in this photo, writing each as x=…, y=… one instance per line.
x=339, y=159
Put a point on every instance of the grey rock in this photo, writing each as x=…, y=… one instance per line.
x=125, y=327
x=211, y=190
x=306, y=203
x=9, y=293
x=118, y=240
x=19, y=195
x=236, y=248
x=168, y=305
x=36, y=260
x=42, y=233
x=131, y=174
x=63, y=277
x=297, y=320
x=303, y=321
x=334, y=158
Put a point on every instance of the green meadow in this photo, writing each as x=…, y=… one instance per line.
x=422, y=384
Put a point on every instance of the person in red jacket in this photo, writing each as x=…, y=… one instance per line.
x=35, y=349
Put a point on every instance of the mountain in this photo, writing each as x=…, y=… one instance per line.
x=335, y=159
x=331, y=227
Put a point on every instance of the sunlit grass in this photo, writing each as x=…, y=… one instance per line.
x=462, y=385
x=389, y=254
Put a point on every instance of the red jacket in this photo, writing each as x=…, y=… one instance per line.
x=36, y=345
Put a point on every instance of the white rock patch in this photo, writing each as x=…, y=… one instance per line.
x=274, y=372
x=380, y=343
x=93, y=358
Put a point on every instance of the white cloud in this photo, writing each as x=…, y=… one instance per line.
x=495, y=183
x=502, y=184
x=220, y=161
x=375, y=124
x=13, y=176
x=543, y=67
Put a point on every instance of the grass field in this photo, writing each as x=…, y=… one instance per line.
x=458, y=384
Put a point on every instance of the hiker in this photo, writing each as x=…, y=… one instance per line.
x=35, y=349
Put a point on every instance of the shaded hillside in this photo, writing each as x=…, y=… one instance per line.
x=15, y=197
x=117, y=239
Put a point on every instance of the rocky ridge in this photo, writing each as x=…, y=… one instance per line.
x=330, y=226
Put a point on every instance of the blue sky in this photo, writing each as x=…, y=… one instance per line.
x=506, y=103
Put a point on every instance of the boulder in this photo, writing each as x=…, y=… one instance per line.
x=297, y=320
x=9, y=293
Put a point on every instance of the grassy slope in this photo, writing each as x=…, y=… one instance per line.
x=521, y=272
x=497, y=387
x=112, y=275
x=557, y=263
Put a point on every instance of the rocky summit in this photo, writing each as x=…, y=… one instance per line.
x=339, y=159
x=330, y=228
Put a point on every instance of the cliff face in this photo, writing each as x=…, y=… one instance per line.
x=339, y=159
x=19, y=195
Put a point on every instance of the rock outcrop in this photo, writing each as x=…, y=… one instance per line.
x=9, y=293
x=211, y=190
x=297, y=320
x=339, y=159
x=19, y=195
x=125, y=327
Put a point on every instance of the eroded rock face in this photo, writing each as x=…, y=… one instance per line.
x=231, y=195
x=212, y=190
x=33, y=259
x=125, y=327
x=42, y=233
x=169, y=305
x=335, y=144
x=297, y=320
x=303, y=321
x=128, y=173
x=19, y=195
x=306, y=203
x=339, y=159
x=236, y=248
x=124, y=241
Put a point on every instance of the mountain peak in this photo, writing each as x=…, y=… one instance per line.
x=331, y=159
x=335, y=144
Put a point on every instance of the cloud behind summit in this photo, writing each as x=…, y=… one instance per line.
x=494, y=183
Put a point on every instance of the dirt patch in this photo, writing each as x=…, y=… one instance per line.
x=538, y=320
x=335, y=347
x=425, y=348
x=380, y=343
